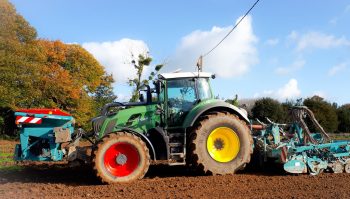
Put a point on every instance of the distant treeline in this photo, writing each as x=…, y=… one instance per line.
x=333, y=118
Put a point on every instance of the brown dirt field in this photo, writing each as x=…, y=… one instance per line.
x=60, y=181
x=168, y=182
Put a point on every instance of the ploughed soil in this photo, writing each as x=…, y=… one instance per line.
x=37, y=180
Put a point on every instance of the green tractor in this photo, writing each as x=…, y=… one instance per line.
x=178, y=122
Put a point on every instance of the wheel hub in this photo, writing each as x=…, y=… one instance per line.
x=219, y=144
x=223, y=144
x=121, y=159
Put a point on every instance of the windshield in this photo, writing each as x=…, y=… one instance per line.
x=181, y=93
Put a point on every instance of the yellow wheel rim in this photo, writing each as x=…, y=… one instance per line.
x=223, y=144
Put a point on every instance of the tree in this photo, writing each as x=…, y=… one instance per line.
x=17, y=71
x=138, y=82
x=72, y=80
x=104, y=93
x=37, y=73
x=13, y=27
x=324, y=112
x=343, y=113
x=16, y=50
x=270, y=108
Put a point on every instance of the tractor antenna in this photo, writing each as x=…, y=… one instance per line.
x=200, y=59
x=200, y=63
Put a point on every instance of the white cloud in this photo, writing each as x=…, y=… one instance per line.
x=296, y=65
x=317, y=40
x=337, y=68
x=289, y=91
x=115, y=56
x=272, y=42
x=234, y=57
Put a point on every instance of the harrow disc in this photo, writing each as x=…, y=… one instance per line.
x=338, y=167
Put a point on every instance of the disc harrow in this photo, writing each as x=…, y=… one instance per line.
x=297, y=148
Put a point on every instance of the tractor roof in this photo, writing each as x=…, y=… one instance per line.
x=183, y=75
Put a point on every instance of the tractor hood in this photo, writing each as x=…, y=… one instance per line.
x=115, y=116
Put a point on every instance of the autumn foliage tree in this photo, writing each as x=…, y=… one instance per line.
x=73, y=79
x=17, y=70
x=36, y=73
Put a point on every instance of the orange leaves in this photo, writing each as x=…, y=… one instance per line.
x=70, y=78
x=58, y=83
x=51, y=74
x=13, y=26
x=55, y=51
x=83, y=66
x=80, y=64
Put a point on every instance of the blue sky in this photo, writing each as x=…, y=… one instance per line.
x=284, y=49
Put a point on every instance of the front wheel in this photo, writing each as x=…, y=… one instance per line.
x=220, y=144
x=120, y=157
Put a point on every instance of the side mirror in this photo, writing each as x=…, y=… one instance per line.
x=141, y=98
x=157, y=85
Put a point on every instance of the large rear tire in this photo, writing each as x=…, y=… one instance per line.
x=120, y=157
x=220, y=144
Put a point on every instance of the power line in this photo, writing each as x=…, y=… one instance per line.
x=230, y=31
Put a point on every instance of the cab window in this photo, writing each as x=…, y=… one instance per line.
x=181, y=93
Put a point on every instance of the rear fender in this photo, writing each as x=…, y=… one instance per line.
x=212, y=106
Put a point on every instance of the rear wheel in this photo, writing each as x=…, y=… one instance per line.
x=220, y=144
x=120, y=157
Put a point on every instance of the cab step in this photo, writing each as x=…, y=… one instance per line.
x=175, y=144
x=182, y=155
x=177, y=163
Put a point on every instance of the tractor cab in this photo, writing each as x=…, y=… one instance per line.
x=181, y=92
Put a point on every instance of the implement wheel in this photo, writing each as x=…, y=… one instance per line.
x=220, y=144
x=120, y=157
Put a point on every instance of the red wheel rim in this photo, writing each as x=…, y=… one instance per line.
x=121, y=159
